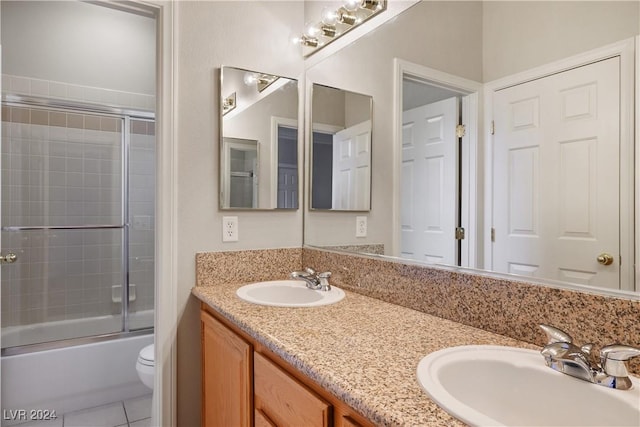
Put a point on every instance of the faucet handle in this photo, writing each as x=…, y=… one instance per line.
x=310, y=271
x=324, y=280
x=555, y=335
x=612, y=358
x=619, y=352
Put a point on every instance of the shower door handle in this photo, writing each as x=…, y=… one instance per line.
x=8, y=258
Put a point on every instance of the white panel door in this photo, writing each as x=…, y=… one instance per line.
x=429, y=199
x=556, y=180
x=287, y=186
x=352, y=168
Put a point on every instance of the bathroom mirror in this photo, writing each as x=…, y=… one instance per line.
x=466, y=49
x=258, y=140
x=340, y=149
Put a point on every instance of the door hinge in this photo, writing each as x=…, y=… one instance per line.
x=493, y=234
x=493, y=127
x=459, y=233
x=461, y=130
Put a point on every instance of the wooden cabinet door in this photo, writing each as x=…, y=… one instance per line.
x=345, y=421
x=226, y=376
x=283, y=400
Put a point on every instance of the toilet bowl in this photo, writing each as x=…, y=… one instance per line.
x=146, y=365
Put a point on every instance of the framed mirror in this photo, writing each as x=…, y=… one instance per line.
x=259, y=165
x=341, y=141
x=493, y=47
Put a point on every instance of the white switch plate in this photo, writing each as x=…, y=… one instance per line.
x=229, y=228
x=361, y=226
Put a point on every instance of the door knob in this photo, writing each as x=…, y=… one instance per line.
x=8, y=258
x=605, y=259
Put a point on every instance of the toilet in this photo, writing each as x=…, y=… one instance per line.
x=146, y=365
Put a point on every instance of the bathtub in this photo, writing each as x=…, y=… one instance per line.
x=70, y=378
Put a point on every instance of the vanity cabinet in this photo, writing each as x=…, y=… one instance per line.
x=226, y=376
x=245, y=384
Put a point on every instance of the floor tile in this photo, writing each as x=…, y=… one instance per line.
x=142, y=423
x=138, y=408
x=101, y=416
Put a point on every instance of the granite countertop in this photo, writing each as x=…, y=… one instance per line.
x=362, y=350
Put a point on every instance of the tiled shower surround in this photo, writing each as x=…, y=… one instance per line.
x=65, y=169
x=506, y=307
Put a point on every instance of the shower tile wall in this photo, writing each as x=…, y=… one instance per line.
x=65, y=169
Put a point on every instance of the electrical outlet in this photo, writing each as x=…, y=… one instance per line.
x=229, y=228
x=361, y=226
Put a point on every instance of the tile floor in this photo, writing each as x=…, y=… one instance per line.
x=134, y=412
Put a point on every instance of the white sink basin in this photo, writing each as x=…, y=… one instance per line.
x=288, y=293
x=505, y=386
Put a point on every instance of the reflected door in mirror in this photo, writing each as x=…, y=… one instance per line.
x=287, y=168
x=557, y=186
x=341, y=150
x=429, y=199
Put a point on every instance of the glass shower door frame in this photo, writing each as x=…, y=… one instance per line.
x=125, y=115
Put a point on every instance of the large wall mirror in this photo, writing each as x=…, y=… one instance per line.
x=258, y=140
x=340, y=149
x=501, y=144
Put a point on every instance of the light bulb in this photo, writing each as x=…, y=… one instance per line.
x=329, y=16
x=311, y=29
x=250, y=79
x=352, y=5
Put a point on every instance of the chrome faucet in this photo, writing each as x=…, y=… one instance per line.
x=313, y=280
x=563, y=356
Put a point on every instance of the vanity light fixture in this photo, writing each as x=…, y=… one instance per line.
x=261, y=81
x=335, y=22
x=229, y=103
x=306, y=41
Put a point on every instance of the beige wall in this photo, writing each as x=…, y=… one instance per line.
x=65, y=41
x=521, y=35
x=251, y=35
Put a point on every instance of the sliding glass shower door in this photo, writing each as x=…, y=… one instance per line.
x=65, y=224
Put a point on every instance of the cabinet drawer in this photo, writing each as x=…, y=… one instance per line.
x=283, y=400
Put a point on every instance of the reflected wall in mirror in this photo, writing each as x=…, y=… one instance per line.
x=259, y=140
x=502, y=183
x=341, y=149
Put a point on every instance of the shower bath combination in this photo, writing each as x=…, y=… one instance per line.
x=77, y=218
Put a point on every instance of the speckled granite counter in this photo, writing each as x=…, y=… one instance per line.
x=362, y=350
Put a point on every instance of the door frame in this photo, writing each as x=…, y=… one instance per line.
x=470, y=183
x=625, y=49
x=164, y=406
